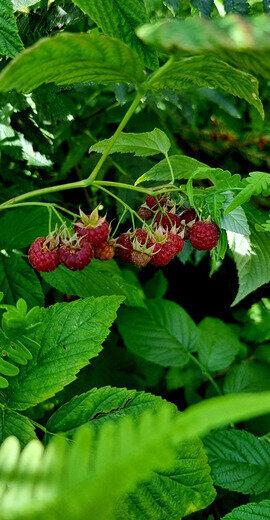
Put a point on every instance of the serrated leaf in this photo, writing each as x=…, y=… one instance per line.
x=14, y=144
x=204, y=6
x=242, y=43
x=161, y=334
x=236, y=222
x=97, y=279
x=208, y=71
x=214, y=202
x=144, y=144
x=260, y=511
x=185, y=487
x=257, y=322
x=252, y=258
x=10, y=41
x=218, y=346
x=239, y=461
x=72, y=58
x=120, y=18
x=13, y=423
x=70, y=335
x=257, y=182
x=249, y=377
x=236, y=6
x=18, y=280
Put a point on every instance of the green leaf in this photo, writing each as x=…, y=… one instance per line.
x=147, y=143
x=215, y=202
x=239, y=461
x=208, y=71
x=260, y=511
x=242, y=43
x=161, y=334
x=236, y=222
x=219, y=345
x=183, y=167
x=18, y=280
x=236, y=6
x=204, y=6
x=120, y=18
x=22, y=4
x=97, y=279
x=10, y=41
x=72, y=58
x=252, y=258
x=251, y=377
x=185, y=487
x=21, y=226
x=157, y=286
x=70, y=335
x=257, y=322
x=12, y=423
x=257, y=182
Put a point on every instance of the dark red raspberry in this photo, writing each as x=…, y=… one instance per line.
x=143, y=237
x=168, y=220
x=189, y=215
x=104, y=252
x=124, y=247
x=76, y=256
x=145, y=213
x=164, y=252
x=204, y=235
x=140, y=258
x=44, y=254
x=153, y=202
x=95, y=235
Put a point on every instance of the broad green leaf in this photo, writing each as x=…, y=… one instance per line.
x=21, y=226
x=157, y=286
x=260, y=511
x=10, y=41
x=184, y=488
x=161, y=334
x=249, y=377
x=147, y=143
x=242, y=43
x=257, y=182
x=219, y=345
x=239, y=461
x=257, y=322
x=70, y=335
x=236, y=222
x=14, y=144
x=236, y=6
x=22, y=4
x=97, y=279
x=13, y=423
x=214, y=203
x=18, y=280
x=252, y=258
x=208, y=71
x=120, y=18
x=72, y=58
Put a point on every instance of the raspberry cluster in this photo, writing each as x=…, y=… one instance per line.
x=157, y=243
x=90, y=239
x=164, y=239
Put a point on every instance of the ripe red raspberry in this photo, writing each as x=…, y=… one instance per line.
x=143, y=237
x=95, y=228
x=140, y=258
x=204, y=235
x=44, y=254
x=104, y=252
x=152, y=201
x=168, y=220
x=76, y=254
x=164, y=252
x=124, y=247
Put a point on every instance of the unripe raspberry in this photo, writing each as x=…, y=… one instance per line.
x=140, y=258
x=104, y=252
x=204, y=235
x=44, y=254
x=145, y=213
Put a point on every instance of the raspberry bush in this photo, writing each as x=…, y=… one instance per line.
x=134, y=260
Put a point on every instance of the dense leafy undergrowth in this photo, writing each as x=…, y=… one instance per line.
x=135, y=331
